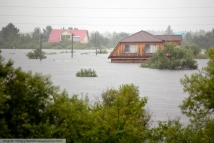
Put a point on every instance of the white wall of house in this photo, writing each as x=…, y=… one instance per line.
x=65, y=33
x=86, y=38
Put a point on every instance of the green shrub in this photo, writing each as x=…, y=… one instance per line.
x=65, y=52
x=178, y=58
x=102, y=51
x=201, y=56
x=86, y=73
x=51, y=53
x=36, y=54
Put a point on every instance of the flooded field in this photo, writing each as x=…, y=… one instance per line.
x=162, y=87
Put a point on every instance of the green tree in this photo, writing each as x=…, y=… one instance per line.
x=10, y=31
x=171, y=57
x=36, y=33
x=188, y=39
x=121, y=116
x=116, y=37
x=46, y=33
x=205, y=41
x=194, y=48
x=71, y=118
x=200, y=103
x=198, y=107
x=24, y=97
x=169, y=31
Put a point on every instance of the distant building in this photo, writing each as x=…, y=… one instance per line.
x=180, y=33
x=58, y=35
x=140, y=46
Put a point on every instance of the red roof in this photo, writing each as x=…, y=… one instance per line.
x=55, y=34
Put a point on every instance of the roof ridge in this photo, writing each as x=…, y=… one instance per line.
x=131, y=35
x=168, y=35
x=153, y=35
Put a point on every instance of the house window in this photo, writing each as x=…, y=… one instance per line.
x=68, y=37
x=65, y=37
x=151, y=48
x=130, y=49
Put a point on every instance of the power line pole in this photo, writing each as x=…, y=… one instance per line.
x=96, y=42
x=40, y=51
x=72, y=46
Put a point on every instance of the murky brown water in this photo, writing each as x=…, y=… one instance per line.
x=162, y=87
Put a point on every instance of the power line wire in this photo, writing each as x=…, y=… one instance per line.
x=102, y=17
x=109, y=24
x=141, y=8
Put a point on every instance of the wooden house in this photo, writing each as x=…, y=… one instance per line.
x=140, y=46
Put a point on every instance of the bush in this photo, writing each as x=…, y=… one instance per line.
x=102, y=52
x=201, y=56
x=36, y=54
x=86, y=73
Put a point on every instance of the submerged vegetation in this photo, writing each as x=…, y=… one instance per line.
x=102, y=51
x=36, y=54
x=171, y=57
x=86, y=73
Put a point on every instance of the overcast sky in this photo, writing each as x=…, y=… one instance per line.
x=109, y=15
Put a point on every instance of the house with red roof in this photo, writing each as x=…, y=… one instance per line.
x=58, y=35
x=140, y=46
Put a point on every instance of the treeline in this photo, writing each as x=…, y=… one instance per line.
x=32, y=107
x=203, y=39
x=10, y=37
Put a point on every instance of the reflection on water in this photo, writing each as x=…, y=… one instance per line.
x=162, y=87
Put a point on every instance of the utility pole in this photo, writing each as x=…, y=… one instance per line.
x=40, y=51
x=72, y=46
x=96, y=42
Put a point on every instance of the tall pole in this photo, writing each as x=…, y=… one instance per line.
x=40, y=51
x=96, y=42
x=72, y=46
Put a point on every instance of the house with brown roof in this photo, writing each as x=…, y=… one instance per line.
x=58, y=35
x=140, y=46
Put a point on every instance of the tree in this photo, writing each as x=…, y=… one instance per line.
x=36, y=33
x=116, y=37
x=200, y=85
x=194, y=48
x=198, y=107
x=188, y=39
x=10, y=31
x=205, y=41
x=46, y=33
x=121, y=116
x=24, y=98
x=171, y=57
x=98, y=40
x=169, y=31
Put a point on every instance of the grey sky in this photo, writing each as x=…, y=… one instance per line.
x=109, y=15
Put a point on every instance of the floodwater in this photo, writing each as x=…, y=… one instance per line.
x=161, y=87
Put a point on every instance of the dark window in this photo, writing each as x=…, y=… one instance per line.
x=150, y=48
x=130, y=48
